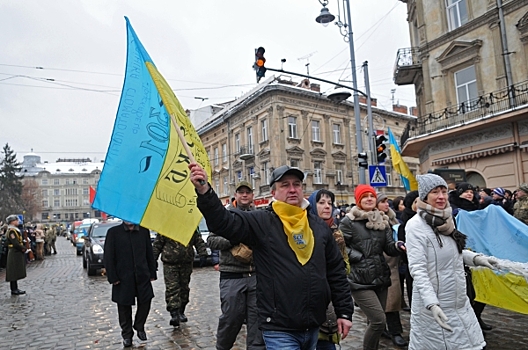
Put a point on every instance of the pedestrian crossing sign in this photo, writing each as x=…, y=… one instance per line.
x=378, y=176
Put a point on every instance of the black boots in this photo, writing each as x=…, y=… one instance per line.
x=183, y=318
x=175, y=318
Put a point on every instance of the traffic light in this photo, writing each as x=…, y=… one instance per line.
x=363, y=160
x=380, y=148
x=259, y=63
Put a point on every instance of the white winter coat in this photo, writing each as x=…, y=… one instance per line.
x=439, y=278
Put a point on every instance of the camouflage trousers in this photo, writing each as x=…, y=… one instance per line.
x=177, y=278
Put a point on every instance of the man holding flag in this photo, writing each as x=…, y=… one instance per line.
x=300, y=268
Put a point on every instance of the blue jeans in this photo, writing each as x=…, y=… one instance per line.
x=301, y=340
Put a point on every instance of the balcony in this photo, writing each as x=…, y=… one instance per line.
x=246, y=152
x=408, y=66
x=483, y=108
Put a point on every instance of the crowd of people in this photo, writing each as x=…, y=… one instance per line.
x=294, y=271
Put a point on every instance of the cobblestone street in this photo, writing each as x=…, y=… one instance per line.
x=66, y=309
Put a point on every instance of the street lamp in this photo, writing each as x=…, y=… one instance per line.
x=345, y=28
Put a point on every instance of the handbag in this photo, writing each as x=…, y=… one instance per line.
x=242, y=253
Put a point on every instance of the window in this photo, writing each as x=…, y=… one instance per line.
x=86, y=190
x=237, y=143
x=217, y=185
x=264, y=129
x=239, y=175
x=44, y=181
x=44, y=193
x=224, y=153
x=226, y=186
x=45, y=203
x=216, y=156
x=71, y=203
x=56, y=192
x=339, y=174
x=250, y=139
x=388, y=173
x=265, y=172
x=45, y=216
x=67, y=181
x=85, y=181
x=56, y=181
x=336, y=132
x=56, y=203
x=76, y=215
x=58, y=216
x=318, y=173
x=86, y=202
x=292, y=127
x=251, y=176
x=71, y=191
x=316, y=131
x=457, y=13
x=466, y=85
x=294, y=163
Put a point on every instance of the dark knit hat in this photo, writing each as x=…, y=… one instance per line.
x=463, y=187
x=380, y=196
x=409, y=199
x=428, y=182
x=11, y=218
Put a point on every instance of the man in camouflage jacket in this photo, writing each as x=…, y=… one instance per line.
x=520, y=209
x=177, y=268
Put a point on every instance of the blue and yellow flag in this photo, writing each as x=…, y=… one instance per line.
x=408, y=179
x=145, y=178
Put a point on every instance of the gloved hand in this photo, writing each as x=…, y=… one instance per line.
x=486, y=261
x=440, y=317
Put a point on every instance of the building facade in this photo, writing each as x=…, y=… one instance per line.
x=282, y=122
x=64, y=187
x=469, y=66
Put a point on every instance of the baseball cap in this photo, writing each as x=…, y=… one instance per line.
x=278, y=173
x=243, y=184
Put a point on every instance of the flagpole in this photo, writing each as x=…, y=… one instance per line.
x=184, y=143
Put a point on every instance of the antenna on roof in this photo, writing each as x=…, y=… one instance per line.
x=307, y=58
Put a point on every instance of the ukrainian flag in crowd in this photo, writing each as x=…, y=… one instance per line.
x=145, y=179
x=494, y=232
x=408, y=179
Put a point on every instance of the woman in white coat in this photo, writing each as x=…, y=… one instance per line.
x=441, y=314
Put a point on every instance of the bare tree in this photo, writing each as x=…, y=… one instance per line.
x=31, y=199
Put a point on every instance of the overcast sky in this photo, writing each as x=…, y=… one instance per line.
x=62, y=62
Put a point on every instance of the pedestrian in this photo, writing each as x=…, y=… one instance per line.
x=299, y=267
x=464, y=199
x=520, y=208
x=498, y=196
x=238, y=282
x=16, y=259
x=322, y=205
x=130, y=269
x=410, y=201
x=50, y=238
x=441, y=316
x=177, y=269
x=398, y=207
x=393, y=305
x=368, y=234
x=39, y=240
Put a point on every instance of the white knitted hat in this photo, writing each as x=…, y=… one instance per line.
x=428, y=182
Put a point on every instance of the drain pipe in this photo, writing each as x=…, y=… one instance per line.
x=505, y=55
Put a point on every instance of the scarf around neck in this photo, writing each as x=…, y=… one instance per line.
x=296, y=228
x=441, y=221
x=376, y=220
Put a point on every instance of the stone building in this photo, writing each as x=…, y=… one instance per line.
x=283, y=122
x=64, y=187
x=469, y=66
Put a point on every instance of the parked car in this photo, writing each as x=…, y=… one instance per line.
x=82, y=231
x=93, y=249
x=204, y=231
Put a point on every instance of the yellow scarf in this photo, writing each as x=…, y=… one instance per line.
x=297, y=229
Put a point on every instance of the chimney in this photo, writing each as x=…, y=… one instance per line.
x=413, y=111
x=400, y=109
x=373, y=101
x=315, y=87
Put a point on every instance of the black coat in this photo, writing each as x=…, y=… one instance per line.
x=368, y=268
x=290, y=296
x=16, y=259
x=128, y=258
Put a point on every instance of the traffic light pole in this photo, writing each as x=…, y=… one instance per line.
x=371, y=135
x=359, y=140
